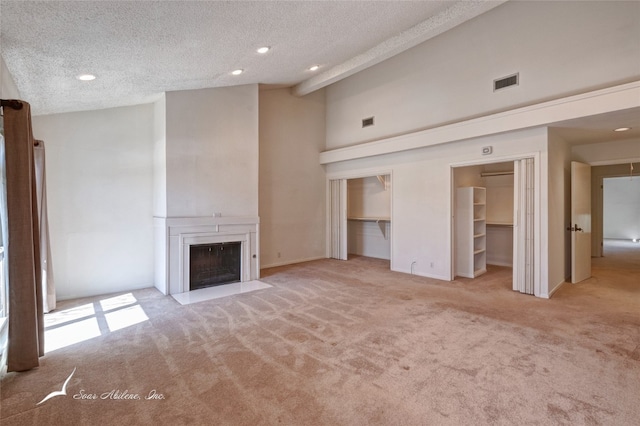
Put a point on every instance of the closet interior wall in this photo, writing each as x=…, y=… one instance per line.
x=499, y=206
x=369, y=215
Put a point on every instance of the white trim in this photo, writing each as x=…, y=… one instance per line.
x=613, y=162
x=553, y=290
x=292, y=262
x=543, y=114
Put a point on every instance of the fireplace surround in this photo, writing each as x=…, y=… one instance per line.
x=174, y=237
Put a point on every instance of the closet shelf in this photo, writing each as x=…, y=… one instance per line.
x=371, y=219
x=499, y=224
x=380, y=221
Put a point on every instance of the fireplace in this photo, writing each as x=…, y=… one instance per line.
x=214, y=264
x=176, y=236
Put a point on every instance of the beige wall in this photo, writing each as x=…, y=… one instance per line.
x=292, y=181
x=559, y=205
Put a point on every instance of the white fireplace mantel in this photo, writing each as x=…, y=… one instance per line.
x=174, y=235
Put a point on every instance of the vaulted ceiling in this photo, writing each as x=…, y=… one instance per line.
x=139, y=49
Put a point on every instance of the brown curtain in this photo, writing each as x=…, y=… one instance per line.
x=26, y=318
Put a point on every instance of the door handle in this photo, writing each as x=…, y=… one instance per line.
x=574, y=228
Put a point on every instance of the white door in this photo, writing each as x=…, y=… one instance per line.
x=580, y=226
x=524, y=279
x=338, y=218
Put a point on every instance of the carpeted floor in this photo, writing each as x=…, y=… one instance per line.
x=350, y=343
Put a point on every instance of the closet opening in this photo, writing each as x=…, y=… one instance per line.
x=360, y=216
x=369, y=217
x=484, y=218
x=494, y=221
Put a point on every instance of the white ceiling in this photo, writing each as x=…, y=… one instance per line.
x=139, y=49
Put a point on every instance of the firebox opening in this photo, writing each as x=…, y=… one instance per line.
x=214, y=264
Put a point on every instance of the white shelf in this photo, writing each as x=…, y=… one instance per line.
x=370, y=219
x=471, y=229
x=380, y=221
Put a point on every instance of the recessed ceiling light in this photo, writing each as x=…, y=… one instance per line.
x=264, y=49
x=314, y=68
x=622, y=129
x=237, y=72
x=86, y=77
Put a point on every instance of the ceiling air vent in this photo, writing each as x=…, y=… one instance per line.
x=503, y=83
x=366, y=122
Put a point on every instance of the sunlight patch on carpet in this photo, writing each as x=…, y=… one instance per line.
x=74, y=325
x=219, y=291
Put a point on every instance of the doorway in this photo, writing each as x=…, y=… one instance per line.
x=369, y=217
x=360, y=216
x=623, y=184
x=620, y=224
x=511, y=223
x=496, y=237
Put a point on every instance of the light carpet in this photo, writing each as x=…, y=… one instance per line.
x=351, y=343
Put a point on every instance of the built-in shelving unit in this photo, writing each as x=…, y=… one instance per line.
x=471, y=231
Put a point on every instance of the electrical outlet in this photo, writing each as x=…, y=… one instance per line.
x=431, y=265
x=278, y=255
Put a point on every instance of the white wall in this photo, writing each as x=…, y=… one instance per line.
x=99, y=184
x=160, y=157
x=292, y=181
x=422, y=191
x=468, y=176
x=622, y=207
x=8, y=89
x=559, y=48
x=367, y=197
x=212, y=151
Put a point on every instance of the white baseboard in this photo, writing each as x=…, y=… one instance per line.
x=507, y=264
x=291, y=262
x=555, y=288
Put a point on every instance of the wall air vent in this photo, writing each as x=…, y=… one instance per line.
x=366, y=122
x=503, y=83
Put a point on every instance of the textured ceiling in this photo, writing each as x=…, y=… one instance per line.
x=139, y=49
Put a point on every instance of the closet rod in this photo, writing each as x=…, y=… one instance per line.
x=487, y=174
x=11, y=103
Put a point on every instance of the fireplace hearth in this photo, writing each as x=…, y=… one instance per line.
x=214, y=264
